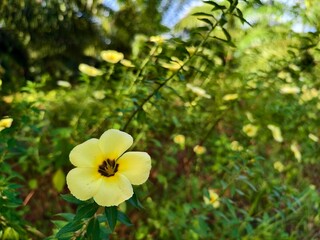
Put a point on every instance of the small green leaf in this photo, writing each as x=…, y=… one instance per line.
x=59, y=180
x=86, y=210
x=112, y=215
x=206, y=21
x=134, y=201
x=226, y=34
x=93, y=229
x=71, y=199
x=69, y=228
x=123, y=218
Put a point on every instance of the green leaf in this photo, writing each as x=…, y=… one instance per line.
x=216, y=5
x=134, y=201
x=71, y=199
x=112, y=216
x=123, y=218
x=86, y=211
x=93, y=229
x=69, y=228
x=202, y=14
x=228, y=36
x=59, y=180
x=206, y=21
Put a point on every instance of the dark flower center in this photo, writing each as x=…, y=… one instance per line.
x=108, y=168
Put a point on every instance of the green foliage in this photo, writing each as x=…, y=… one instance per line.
x=227, y=107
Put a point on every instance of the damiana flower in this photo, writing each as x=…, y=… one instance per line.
x=127, y=63
x=111, y=56
x=179, y=139
x=313, y=137
x=236, y=146
x=89, y=70
x=105, y=171
x=213, y=199
x=250, y=129
x=199, y=150
x=5, y=123
x=295, y=149
x=230, y=97
x=276, y=132
x=198, y=91
x=278, y=166
x=286, y=89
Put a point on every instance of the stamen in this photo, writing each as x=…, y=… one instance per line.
x=108, y=168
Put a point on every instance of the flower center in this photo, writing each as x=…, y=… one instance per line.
x=108, y=168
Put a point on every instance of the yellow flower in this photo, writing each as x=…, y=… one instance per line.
x=179, y=139
x=191, y=50
x=174, y=65
x=126, y=63
x=276, y=132
x=278, y=166
x=199, y=150
x=286, y=89
x=235, y=146
x=198, y=91
x=230, y=97
x=105, y=171
x=250, y=129
x=5, y=123
x=213, y=199
x=309, y=94
x=89, y=70
x=111, y=56
x=313, y=137
x=156, y=39
x=64, y=84
x=295, y=149
x=99, y=94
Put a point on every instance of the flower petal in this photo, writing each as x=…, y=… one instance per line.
x=87, y=154
x=83, y=183
x=135, y=166
x=113, y=143
x=113, y=191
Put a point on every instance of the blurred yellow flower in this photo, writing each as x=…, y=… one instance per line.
x=99, y=94
x=276, y=132
x=235, y=146
x=156, y=39
x=309, y=94
x=64, y=84
x=89, y=70
x=174, y=65
x=230, y=97
x=191, y=50
x=127, y=63
x=198, y=91
x=104, y=171
x=287, y=89
x=250, y=129
x=5, y=123
x=295, y=149
x=111, y=56
x=213, y=199
x=199, y=150
x=278, y=166
x=179, y=139
x=313, y=137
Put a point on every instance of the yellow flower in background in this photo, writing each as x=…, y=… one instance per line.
x=313, y=137
x=295, y=149
x=191, y=50
x=250, y=129
x=99, y=94
x=5, y=123
x=230, y=97
x=286, y=89
x=276, y=132
x=198, y=91
x=278, y=166
x=236, y=146
x=105, y=171
x=127, y=63
x=179, y=139
x=199, y=150
x=309, y=94
x=64, y=84
x=111, y=56
x=89, y=70
x=156, y=39
x=213, y=199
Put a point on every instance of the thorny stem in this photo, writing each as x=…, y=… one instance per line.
x=140, y=107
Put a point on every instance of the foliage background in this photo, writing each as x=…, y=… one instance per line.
x=255, y=63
